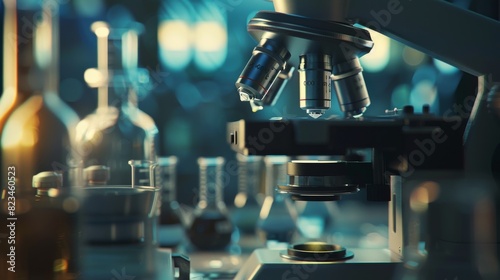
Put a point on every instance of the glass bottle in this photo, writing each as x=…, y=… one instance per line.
x=17, y=62
x=277, y=219
x=246, y=202
x=38, y=134
x=118, y=130
x=211, y=228
x=170, y=229
x=47, y=222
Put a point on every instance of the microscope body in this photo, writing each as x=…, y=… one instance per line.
x=445, y=165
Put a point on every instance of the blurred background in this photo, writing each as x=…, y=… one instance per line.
x=194, y=51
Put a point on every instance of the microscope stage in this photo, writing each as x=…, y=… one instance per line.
x=366, y=264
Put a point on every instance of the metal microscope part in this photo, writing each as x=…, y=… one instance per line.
x=314, y=83
x=268, y=59
x=350, y=88
x=316, y=252
x=318, y=180
x=275, y=91
x=323, y=44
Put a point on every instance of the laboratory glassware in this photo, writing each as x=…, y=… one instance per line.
x=43, y=229
x=96, y=175
x=211, y=228
x=17, y=60
x=171, y=230
x=117, y=220
x=38, y=135
x=277, y=218
x=117, y=130
x=246, y=203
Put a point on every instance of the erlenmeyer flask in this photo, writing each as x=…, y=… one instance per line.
x=38, y=134
x=118, y=130
x=277, y=220
x=246, y=202
x=211, y=228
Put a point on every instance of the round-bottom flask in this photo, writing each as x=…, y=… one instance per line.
x=211, y=228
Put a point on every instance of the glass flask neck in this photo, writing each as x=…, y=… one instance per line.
x=117, y=61
x=168, y=177
x=211, y=191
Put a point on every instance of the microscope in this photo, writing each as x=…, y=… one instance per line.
x=448, y=164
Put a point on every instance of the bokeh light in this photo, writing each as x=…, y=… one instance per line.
x=400, y=96
x=426, y=72
x=174, y=37
x=88, y=8
x=424, y=92
x=378, y=58
x=188, y=95
x=210, y=42
x=413, y=57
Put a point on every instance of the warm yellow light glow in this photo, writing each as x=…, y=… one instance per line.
x=412, y=57
x=209, y=36
x=378, y=58
x=71, y=205
x=266, y=207
x=7, y=101
x=240, y=199
x=43, y=43
x=20, y=128
x=129, y=50
x=174, y=35
x=94, y=77
x=424, y=194
x=100, y=28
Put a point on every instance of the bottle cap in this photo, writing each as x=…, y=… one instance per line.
x=47, y=180
x=96, y=173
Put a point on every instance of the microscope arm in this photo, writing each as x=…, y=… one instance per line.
x=442, y=30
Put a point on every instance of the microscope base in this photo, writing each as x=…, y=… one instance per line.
x=366, y=264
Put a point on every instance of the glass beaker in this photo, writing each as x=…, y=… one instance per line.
x=211, y=228
x=171, y=227
x=277, y=218
x=247, y=204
